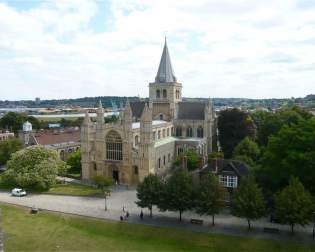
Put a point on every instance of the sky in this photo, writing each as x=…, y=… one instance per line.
x=219, y=48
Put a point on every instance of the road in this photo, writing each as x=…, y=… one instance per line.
x=120, y=197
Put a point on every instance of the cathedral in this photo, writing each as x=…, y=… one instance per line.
x=149, y=135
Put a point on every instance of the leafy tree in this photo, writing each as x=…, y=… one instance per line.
x=248, y=201
x=294, y=205
x=291, y=152
x=34, y=167
x=234, y=125
x=103, y=182
x=247, y=151
x=12, y=121
x=7, y=148
x=74, y=161
x=177, y=193
x=216, y=154
x=209, y=196
x=193, y=159
x=149, y=192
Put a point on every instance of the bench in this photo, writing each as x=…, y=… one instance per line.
x=271, y=230
x=196, y=221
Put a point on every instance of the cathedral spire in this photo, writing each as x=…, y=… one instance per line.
x=165, y=73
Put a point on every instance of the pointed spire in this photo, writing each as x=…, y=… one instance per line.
x=165, y=73
x=86, y=118
x=100, y=106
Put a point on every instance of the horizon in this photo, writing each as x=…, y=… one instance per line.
x=226, y=49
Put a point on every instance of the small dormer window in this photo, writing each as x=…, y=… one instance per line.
x=228, y=181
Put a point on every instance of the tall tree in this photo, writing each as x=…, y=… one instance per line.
x=103, y=182
x=193, y=160
x=177, y=194
x=149, y=192
x=294, y=205
x=209, y=196
x=234, y=125
x=34, y=167
x=247, y=151
x=290, y=153
x=74, y=161
x=12, y=121
x=7, y=148
x=248, y=201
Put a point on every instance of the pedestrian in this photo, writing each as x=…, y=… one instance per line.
x=141, y=215
x=121, y=218
x=123, y=208
x=127, y=214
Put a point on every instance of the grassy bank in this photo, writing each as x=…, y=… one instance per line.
x=55, y=232
x=75, y=190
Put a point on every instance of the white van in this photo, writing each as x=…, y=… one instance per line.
x=18, y=192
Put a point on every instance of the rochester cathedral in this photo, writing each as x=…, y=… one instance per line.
x=149, y=135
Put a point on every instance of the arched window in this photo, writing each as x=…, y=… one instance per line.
x=161, y=116
x=163, y=133
x=189, y=132
x=164, y=93
x=158, y=93
x=200, y=132
x=159, y=134
x=179, y=131
x=136, y=140
x=113, y=146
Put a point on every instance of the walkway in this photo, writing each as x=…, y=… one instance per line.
x=94, y=207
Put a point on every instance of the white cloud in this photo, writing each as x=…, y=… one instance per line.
x=230, y=48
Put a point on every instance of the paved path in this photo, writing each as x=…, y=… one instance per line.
x=94, y=207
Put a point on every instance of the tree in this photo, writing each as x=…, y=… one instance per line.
x=7, y=148
x=177, y=193
x=216, y=154
x=149, y=192
x=248, y=201
x=103, y=182
x=193, y=160
x=247, y=151
x=294, y=205
x=234, y=125
x=290, y=153
x=74, y=161
x=209, y=196
x=12, y=121
x=34, y=167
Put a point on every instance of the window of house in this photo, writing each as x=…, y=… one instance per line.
x=164, y=160
x=168, y=131
x=158, y=94
x=200, y=132
x=161, y=116
x=164, y=93
x=180, y=150
x=179, y=131
x=228, y=181
x=159, y=163
x=159, y=134
x=136, y=140
x=163, y=133
x=113, y=146
x=189, y=131
x=135, y=170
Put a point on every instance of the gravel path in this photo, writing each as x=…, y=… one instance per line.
x=94, y=207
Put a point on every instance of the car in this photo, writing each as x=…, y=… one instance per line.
x=18, y=192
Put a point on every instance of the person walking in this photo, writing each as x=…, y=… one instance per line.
x=141, y=215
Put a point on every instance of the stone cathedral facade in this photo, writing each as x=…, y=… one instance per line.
x=148, y=135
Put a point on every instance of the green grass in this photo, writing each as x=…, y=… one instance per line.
x=56, y=232
x=75, y=190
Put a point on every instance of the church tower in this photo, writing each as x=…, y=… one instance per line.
x=146, y=147
x=165, y=92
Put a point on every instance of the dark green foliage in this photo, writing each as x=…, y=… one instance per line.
x=291, y=152
x=7, y=148
x=13, y=121
x=247, y=151
x=177, y=193
x=248, y=201
x=234, y=125
x=209, y=196
x=149, y=192
x=74, y=161
x=193, y=159
x=216, y=154
x=294, y=205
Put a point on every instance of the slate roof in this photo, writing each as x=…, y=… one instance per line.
x=228, y=165
x=137, y=108
x=191, y=110
x=165, y=73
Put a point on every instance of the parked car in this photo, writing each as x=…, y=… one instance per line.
x=18, y=192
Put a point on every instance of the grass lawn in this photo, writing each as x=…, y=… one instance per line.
x=55, y=232
x=75, y=190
